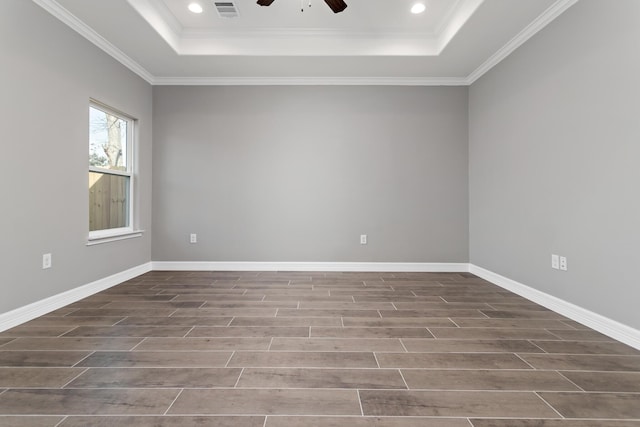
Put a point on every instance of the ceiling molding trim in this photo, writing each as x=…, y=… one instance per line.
x=161, y=20
x=529, y=31
x=463, y=11
x=311, y=81
x=55, y=9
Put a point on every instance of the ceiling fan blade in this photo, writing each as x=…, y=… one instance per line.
x=336, y=5
x=265, y=2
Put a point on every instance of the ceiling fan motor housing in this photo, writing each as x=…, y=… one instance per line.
x=336, y=5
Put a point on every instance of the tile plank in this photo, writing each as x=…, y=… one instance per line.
x=454, y=404
x=165, y=421
x=267, y=402
x=321, y=378
x=595, y=405
x=156, y=378
x=85, y=402
x=274, y=359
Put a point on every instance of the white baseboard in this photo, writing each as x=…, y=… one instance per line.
x=602, y=324
x=21, y=315
x=609, y=327
x=424, y=267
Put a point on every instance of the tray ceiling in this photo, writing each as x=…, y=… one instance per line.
x=372, y=42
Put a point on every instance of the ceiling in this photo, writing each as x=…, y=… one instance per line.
x=453, y=42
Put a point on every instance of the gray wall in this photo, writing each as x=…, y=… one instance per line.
x=554, y=148
x=47, y=76
x=298, y=173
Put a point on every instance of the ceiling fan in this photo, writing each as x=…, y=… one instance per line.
x=336, y=5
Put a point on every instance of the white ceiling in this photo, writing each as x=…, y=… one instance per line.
x=371, y=42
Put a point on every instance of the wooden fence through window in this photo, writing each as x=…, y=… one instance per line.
x=108, y=201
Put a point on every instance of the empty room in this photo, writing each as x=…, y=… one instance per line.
x=322, y=213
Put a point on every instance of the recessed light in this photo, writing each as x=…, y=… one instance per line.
x=418, y=8
x=195, y=7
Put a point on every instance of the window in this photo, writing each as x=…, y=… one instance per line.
x=110, y=173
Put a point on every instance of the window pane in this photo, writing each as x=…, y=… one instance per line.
x=107, y=140
x=108, y=201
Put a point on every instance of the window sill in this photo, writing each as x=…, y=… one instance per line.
x=114, y=238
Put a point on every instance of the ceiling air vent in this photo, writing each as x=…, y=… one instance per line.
x=226, y=9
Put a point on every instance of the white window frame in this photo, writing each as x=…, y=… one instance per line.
x=112, y=234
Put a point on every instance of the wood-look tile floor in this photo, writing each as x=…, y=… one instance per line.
x=248, y=349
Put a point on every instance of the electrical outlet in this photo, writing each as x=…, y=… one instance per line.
x=555, y=262
x=193, y=238
x=363, y=239
x=46, y=261
x=563, y=263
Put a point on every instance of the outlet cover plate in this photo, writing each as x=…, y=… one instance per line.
x=563, y=263
x=46, y=261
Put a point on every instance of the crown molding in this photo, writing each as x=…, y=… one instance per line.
x=310, y=81
x=529, y=31
x=55, y=9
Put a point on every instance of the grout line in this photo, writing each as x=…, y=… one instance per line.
x=360, y=402
x=265, y=421
x=309, y=336
x=533, y=343
x=573, y=328
x=230, y=321
x=376, y=359
x=121, y=320
x=174, y=312
x=188, y=332
x=61, y=421
x=238, y=380
x=452, y=321
x=307, y=388
x=270, y=344
x=403, y=380
x=226, y=365
x=548, y=404
x=433, y=336
x=174, y=401
x=136, y=346
x=66, y=332
x=74, y=378
x=394, y=305
x=405, y=348
x=555, y=335
x=84, y=358
x=470, y=423
x=519, y=357
x=12, y=339
x=565, y=377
